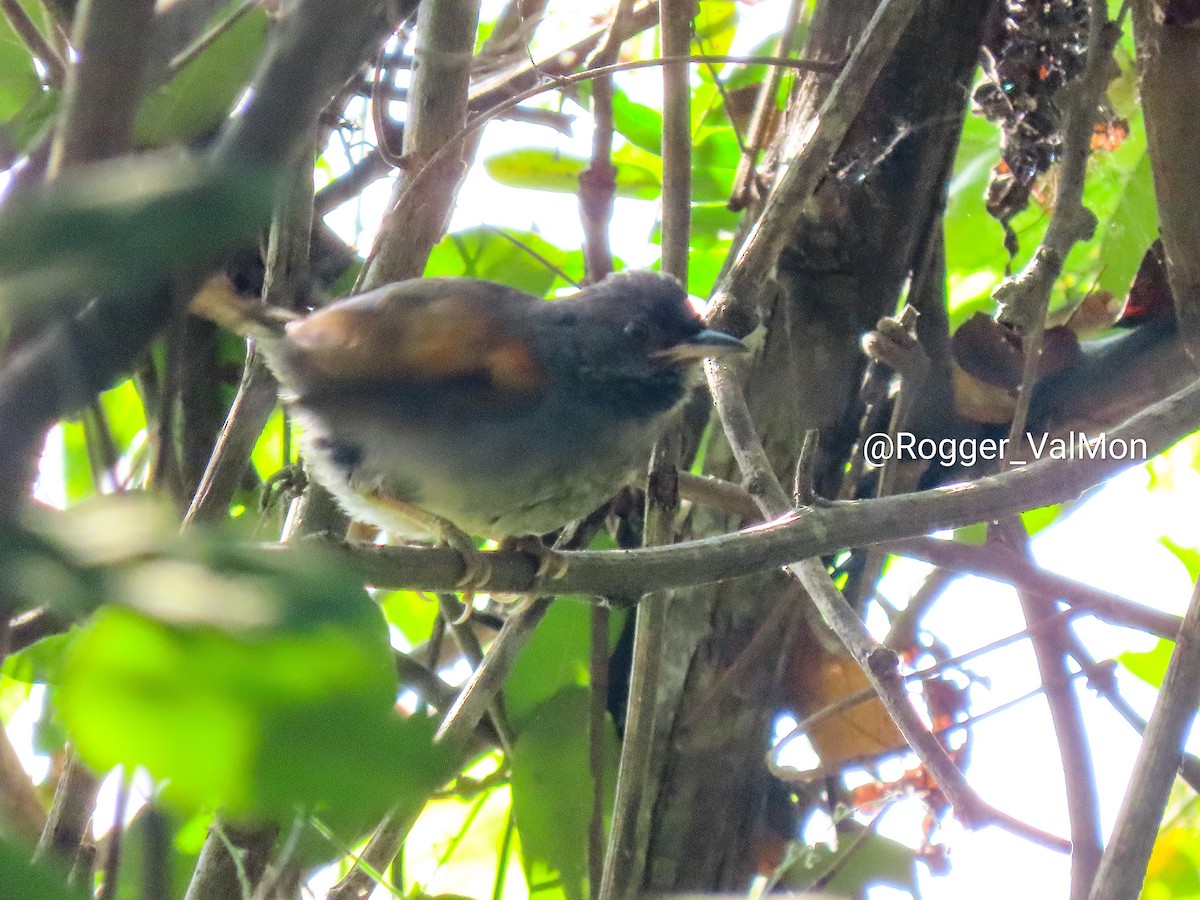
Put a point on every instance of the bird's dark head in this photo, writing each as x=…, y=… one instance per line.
x=634, y=340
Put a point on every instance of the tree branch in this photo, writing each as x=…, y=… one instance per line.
x=1123, y=867
x=810, y=532
x=1168, y=57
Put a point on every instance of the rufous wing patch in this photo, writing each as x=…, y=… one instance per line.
x=446, y=338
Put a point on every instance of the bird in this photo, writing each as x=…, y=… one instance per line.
x=445, y=407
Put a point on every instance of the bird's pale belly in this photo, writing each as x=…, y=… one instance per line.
x=493, y=491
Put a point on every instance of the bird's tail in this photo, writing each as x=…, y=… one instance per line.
x=219, y=302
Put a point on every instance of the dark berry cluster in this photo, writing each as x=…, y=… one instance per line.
x=1039, y=47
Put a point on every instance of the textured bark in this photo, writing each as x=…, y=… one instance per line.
x=845, y=267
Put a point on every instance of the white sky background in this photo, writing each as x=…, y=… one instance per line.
x=1110, y=542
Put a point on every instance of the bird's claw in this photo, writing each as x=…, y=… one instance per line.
x=550, y=563
x=477, y=569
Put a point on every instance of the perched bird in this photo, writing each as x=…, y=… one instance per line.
x=438, y=406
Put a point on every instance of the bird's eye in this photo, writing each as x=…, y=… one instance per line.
x=636, y=331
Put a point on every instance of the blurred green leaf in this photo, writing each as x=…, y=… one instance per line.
x=78, y=483
x=123, y=225
x=19, y=879
x=18, y=78
x=976, y=534
x=124, y=413
x=1150, y=666
x=257, y=681
x=197, y=100
x=1130, y=232
x=411, y=612
x=715, y=158
x=865, y=859
x=267, y=456
x=714, y=26
x=1173, y=872
x=30, y=124
x=1035, y=520
x=542, y=169
x=641, y=125
x=556, y=657
x=1189, y=556
x=40, y=662
x=515, y=258
x=135, y=847
x=552, y=789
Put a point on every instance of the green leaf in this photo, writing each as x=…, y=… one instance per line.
x=541, y=169
x=1189, y=556
x=267, y=456
x=714, y=27
x=1130, y=232
x=258, y=682
x=77, y=468
x=18, y=78
x=121, y=225
x=552, y=789
x=976, y=534
x=555, y=658
x=135, y=850
x=865, y=860
x=715, y=159
x=40, y=662
x=641, y=125
x=124, y=413
x=411, y=612
x=30, y=124
x=1150, y=666
x=1043, y=517
x=510, y=258
x=32, y=882
x=1174, y=869
x=198, y=99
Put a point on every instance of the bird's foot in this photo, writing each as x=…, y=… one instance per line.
x=550, y=563
x=477, y=568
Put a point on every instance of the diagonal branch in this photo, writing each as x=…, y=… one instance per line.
x=1123, y=866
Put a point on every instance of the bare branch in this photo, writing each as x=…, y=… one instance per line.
x=1123, y=867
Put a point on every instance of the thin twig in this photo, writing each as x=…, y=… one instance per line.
x=1100, y=679
x=437, y=112
x=1025, y=297
x=800, y=179
x=429, y=169
x=881, y=666
x=597, y=722
x=1002, y=564
x=598, y=182
x=29, y=34
x=763, y=117
x=626, y=857
x=207, y=39
x=675, y=26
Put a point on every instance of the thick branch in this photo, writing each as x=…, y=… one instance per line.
x=437, y=113
x=103, y=89
x=812, y=532
x=1168, y=55
x=786, y=202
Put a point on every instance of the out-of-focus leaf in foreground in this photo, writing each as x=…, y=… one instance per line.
x=258, y=681
x=123, y=225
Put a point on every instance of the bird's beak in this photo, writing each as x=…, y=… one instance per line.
x=709, y=343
